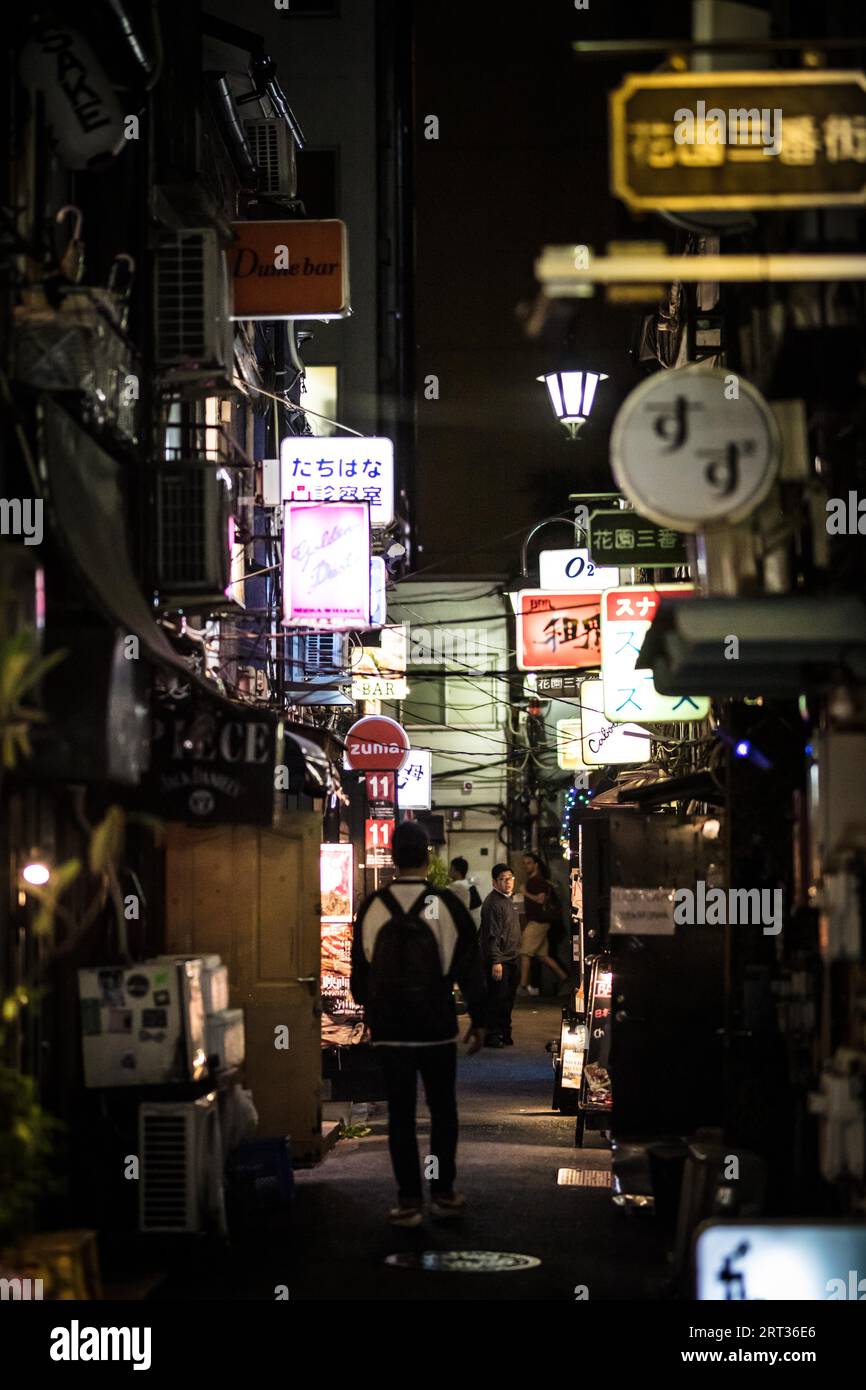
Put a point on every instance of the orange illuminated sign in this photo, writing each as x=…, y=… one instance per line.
x=558, y=631
x=289, y=270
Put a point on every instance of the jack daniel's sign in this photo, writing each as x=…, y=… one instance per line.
x=211, y=763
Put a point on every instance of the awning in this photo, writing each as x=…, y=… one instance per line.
x=309, y=768
x=738, y=647
x=90, y=522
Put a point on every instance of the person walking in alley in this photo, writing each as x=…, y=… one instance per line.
x=411, y=942
x=500, y=944
x=542, y=908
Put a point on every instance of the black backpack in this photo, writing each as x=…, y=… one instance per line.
x=408, y=999
x=475, y=898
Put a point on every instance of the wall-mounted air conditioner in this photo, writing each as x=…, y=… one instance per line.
x=194, y=332
x=324, y=656
x=181, y=1179
x=273, y=149
x=192, y=534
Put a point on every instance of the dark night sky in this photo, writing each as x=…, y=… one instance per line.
x=521, y=161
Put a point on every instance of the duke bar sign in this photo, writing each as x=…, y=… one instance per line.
x=721, y=140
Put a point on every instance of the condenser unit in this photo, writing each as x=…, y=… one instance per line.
x=324, y=656
x=194, y=331
x=181, y=1178
x=273, y=149
x=193, y=506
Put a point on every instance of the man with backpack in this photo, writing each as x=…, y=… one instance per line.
x=411, y=942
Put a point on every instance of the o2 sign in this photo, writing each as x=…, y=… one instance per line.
x=574, y=571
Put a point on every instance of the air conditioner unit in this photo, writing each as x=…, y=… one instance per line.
x=273, y=149
x=194, y=331
x=324, y=656
x=181, y=1179
x=193, y=507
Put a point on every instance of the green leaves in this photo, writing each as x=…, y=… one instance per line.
x=20, y=671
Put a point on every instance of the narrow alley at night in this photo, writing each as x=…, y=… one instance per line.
x=432, y=676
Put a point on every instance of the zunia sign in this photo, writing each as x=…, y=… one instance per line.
x=376, y=744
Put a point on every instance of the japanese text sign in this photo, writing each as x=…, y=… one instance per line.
x=629, y=692
x=632, y=540
x=414, y=781
x=739, y=139
x=326, y=565
x=695, y=446
x=557, y=631
x=319, y=468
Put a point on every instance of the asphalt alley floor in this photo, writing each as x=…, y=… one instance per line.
x=512, y=1146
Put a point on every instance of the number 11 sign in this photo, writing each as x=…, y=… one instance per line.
x=377, y=842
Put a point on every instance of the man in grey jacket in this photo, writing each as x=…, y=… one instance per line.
x=500, y=949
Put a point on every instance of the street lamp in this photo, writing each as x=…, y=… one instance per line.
x=571, y=395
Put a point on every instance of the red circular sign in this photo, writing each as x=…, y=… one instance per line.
x=377, y=743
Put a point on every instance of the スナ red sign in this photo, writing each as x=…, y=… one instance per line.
x=376, y=744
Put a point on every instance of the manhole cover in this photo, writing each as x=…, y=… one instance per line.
x=464, y=1261
x=583, y=1177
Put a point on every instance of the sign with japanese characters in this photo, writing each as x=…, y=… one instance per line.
x=629, y=692
x=565, y=684
x=326, y=565
x=290, y=269
x=605, y=742
x=632, y=540
x=414, y=781
x=695, y=447
x=556, y=631
x=564, y=570
x=321, y=468
x=568, y=745
x=716, y=140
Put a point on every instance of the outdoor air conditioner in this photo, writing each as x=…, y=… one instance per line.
x=324, y=656
x=193, y=506
x=181, y=1179
x=194, y=331
x=273, y=149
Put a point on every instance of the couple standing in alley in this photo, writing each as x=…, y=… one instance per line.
x=411, y=943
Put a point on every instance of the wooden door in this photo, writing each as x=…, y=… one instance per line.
x=252, y=895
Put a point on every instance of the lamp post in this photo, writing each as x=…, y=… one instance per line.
x=571, y=395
